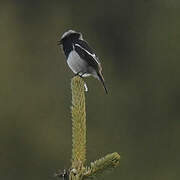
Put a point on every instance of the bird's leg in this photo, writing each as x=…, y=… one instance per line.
x=77, y=74
x=80, y=75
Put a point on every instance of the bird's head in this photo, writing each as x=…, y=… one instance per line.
x=70, y=35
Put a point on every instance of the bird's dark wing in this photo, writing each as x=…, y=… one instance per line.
x=85, y=45
x=91, y=59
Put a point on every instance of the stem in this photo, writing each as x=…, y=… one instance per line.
x=78, y=122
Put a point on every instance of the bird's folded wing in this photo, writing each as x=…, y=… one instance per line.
x=91, y=59
x=85, y=45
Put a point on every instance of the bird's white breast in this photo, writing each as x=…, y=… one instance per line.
x=76, y=64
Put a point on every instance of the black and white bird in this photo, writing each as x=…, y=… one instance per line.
x=80, y=57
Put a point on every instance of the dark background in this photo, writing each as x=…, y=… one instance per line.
x=138, y=45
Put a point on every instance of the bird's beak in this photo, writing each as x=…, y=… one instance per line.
x=59, y=42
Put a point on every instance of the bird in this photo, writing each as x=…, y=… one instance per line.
x=80, y=57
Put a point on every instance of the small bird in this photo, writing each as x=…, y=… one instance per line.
x=80, y=57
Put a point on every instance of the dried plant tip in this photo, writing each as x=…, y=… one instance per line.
x=106, y=163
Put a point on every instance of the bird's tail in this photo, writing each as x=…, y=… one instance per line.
x=101, y=78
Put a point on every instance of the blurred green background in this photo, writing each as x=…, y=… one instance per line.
x=138, y=45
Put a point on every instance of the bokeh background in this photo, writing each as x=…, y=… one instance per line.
x=138, y=44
